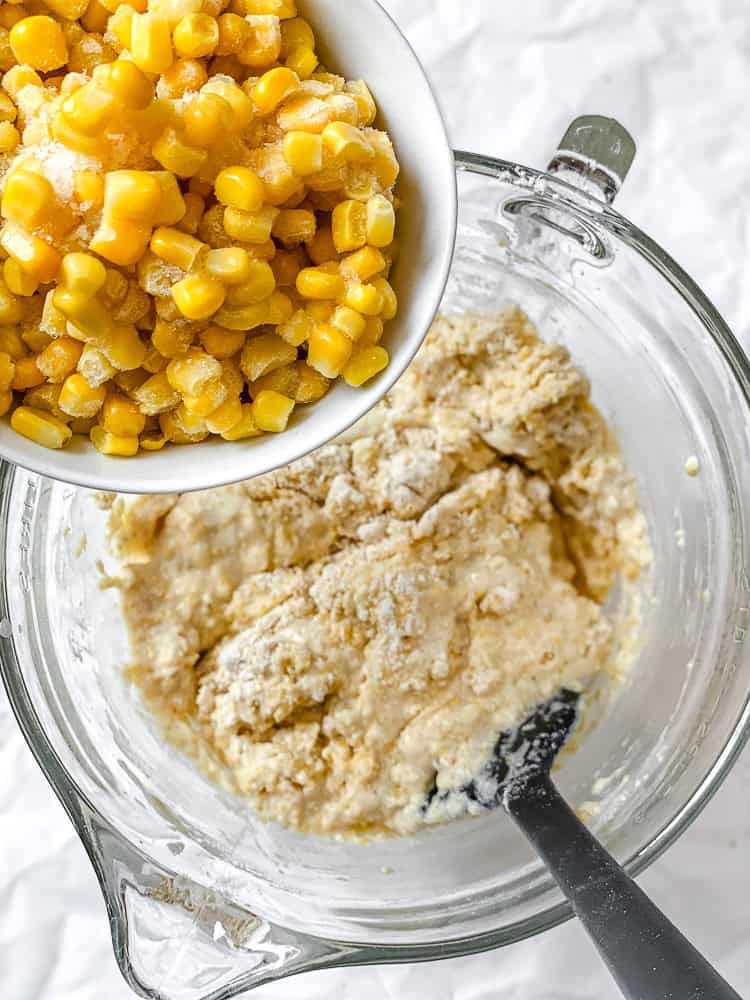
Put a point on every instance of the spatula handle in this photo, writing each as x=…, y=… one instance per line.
x=648, y=957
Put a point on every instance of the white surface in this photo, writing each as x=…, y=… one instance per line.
x=677, y=73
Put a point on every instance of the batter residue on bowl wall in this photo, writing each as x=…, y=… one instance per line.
x=343, y=632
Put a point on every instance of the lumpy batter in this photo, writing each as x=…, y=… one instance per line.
x=341, y=634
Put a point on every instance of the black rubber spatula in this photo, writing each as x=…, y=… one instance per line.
x=648, y=957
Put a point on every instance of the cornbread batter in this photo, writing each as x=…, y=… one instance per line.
x=343, y=632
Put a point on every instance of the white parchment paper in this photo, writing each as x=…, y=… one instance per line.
x=510, y=76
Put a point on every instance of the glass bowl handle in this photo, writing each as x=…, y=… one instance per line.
x=595, y=154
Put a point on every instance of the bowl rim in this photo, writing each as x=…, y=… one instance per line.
x=76, y=802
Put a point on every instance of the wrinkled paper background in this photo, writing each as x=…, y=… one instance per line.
x=510, y=76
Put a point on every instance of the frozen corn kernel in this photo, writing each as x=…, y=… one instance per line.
x=191, y=374
x=240, y=188
x=207, y=119
x=156, y=395
x=174, y=154
x=240, y=103
x=123, y=348
x=349, y=322
x=121, y=416
x=297, y=329
x=284, y=380
x=321, y=311
x=303, y=61
x=315, y=283
x=39, y=42
x=385, y=164
x=11, y=342
x=195, y=36
x=198, y=296
x=365, y=364
x=234, y=32
x=381, y=221
x=222, y=343
x=225, y=417
x=172, y=205
x=244, y=317
x=17, y=280
x=286, y=265
x=373, y=332
x=40, y=427
x=390, y=300
x=230, y=265
x=264, y=354
x=176, y=247
x=363, y=265
x=152, y=441
x=130, y=381
x=209, y=400
x=296, y=33
x=94, y=366
x=79, y=399
x=171, y=340
x=249, y=227
x=9, y=137
x=304, y=113
x=83, y=273
x=271, y=411
x=58, y=360
x=347, y=142
x=183, y=76
x=6, y=401
x=151, y=43
x=293, y=226
x=366, y=299
x=329, y=350
x=26, y=373
x=246, y=427
x=129, y=85
x=262, y=46
x=273, y=88
x=366, y=106
x=88, y=187
x=349, y=226
x=7, y=371
x=303, y=151
x=113, y=444
x=8, y=110
x=88, y=316
x=321, y=247
x=258, y=285
x=134, y=195
x=280, y=308
x=194, y=209
x=28, y=198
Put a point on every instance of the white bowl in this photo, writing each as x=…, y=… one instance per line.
x=363, y=42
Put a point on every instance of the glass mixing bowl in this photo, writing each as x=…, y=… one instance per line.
x=206, y=902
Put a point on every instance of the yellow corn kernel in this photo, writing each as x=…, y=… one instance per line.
x=7, y=371
x=349, y=226
x=120, y=26
x=284, y=380
x=315, y=283
x=83, y=273
x=271, y=411
x=88, y=187
x=347, y=142
x=9, y=137
x=11, y=308
x=121, y=416
x=8, y=110
x=320, y=311
x=234, y=32
x=194, y=209
x=304, y=113
x=130, y=381
x=151, y=43
x=273, y=88
x=302, y=61
x=321, y=247
x=88, y=109
x=113, y=444
x=39, y=42
x=230, y=265
x=28, y=198
x=286, y=265
x=265, y=251
x=176, y=247
x=209, y=400
x=6, y=401
x=381, y=221
x=11, y=14
x=257, y=287
x=172, y=205
x=171, y=340
x=311, y=386
x=240, y=103
x=11, y=343
x=59, y=359
x=297, y=328
x=390, y=300
x=34, y=255
x=176, y=155
x=89, y=317
x=94, y=366
x=373, y=332
x=94, y=17
x=79, y=399
x=365, y=364
x=280, y=308
x=366, y=106
x=132, y=194
x=263, y=45
x=19, y=77
x=40, y=427
x=121, y=241
x=244, y=317
x=222, y=343
x=246, y=427
x=328, y=350
x=239, y=187
x=195, y=36
x=123, y=348
x=278, y=8
x=46, y=397
x=156, y=395
x=191, y=374
x=225, y=417
x=17, y=280
x=303, y=151
x=198, y=296
x=385, y=164
x=206, y=120
x=152, y=441
x=293, y=226
x=180, y=428
x=249, y=227
x=34, y=338
x=129, y=85
x=26, y=373
x=349, y=322
x=366, y=299
x=264, y=354
x=296, y=33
